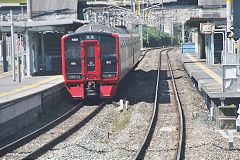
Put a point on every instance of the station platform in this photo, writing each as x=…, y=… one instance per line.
x=11, y=90
x=22, y=102
x=208, y=79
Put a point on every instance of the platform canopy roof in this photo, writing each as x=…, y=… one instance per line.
x=195, y=21
x=49, y=15
x=38, y=26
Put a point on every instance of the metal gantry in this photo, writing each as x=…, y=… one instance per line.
x=112, y=15
x=161, y=17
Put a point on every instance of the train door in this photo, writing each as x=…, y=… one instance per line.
x=91, y=60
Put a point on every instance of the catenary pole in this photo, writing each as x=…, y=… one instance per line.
x=13, y=45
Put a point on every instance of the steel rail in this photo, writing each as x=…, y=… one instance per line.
x=180, y=149
x=143, y=147
x=20, y=142
x=37, y=153
x=147, y=51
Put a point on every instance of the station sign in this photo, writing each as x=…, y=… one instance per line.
x=207, y=28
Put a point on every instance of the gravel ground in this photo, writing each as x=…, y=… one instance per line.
x=117, y=135
x=100, y=139
x=51, y=134
x=203, y=139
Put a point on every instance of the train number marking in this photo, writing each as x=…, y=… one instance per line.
x=74, y=39
x=73, y=63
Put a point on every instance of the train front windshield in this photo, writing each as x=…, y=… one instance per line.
x=108, y=57
x=73, y=56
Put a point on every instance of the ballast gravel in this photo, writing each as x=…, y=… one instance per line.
x=204, y=140
x=98, y=140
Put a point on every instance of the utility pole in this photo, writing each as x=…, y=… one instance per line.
x=18, y=60
x=183, y=32
x=4, y=52
x=144, y=15
x=138, y=8
x=28, y=53
x=13, y=45
x=172, y=29
x=95, y=17
x=133, y=5
x=27, y=39
x=3, y=49
x=29, y=10
x=162, y=20
x=141, y=34
x=229, y=25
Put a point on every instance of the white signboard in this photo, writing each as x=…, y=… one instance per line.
x=207, y=28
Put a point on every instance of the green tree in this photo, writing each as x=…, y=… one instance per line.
x=152, y=37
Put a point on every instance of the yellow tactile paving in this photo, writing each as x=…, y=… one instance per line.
x=205, y=69
x=5, y=75
x=30, y=86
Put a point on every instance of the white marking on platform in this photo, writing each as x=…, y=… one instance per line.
x=206, y=69
x=30, y=86
x=5, y=74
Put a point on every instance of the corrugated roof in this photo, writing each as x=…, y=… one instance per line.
x=54, y=9
x=197, y=20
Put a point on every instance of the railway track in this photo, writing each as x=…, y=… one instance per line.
x=156, y=117
x=102, y=132
x=37, y=143
x=145, y=51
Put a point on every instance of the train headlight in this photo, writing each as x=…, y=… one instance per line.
x=109, y=76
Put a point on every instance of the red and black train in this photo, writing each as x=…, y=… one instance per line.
x=96, y=57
